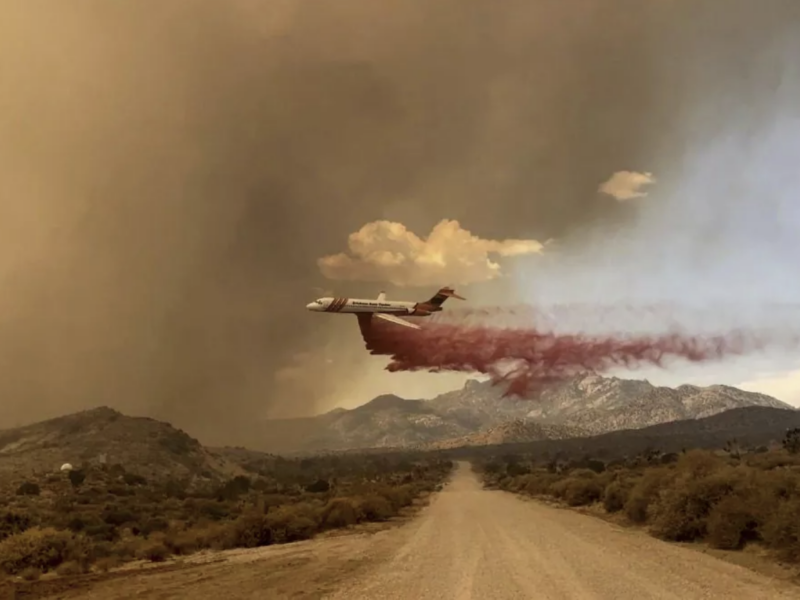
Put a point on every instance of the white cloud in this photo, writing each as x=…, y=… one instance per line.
x=450, y=255
x=626, y=185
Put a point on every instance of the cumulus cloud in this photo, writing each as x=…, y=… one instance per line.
x=388, y=251
x=626, y=185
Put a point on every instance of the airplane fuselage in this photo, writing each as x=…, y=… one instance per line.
x=364, y=305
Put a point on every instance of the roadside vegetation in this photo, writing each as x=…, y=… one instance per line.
x=99, y=518
x=728, y=499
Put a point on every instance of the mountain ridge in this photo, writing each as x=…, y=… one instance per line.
x=585, y=405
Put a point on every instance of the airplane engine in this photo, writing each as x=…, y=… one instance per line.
x=420, y=312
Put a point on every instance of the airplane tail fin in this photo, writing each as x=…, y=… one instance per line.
x=381, y=296
x=442, y=295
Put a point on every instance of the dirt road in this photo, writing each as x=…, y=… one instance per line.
x=469, y=543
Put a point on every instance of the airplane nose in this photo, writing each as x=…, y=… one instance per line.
x=310, y=306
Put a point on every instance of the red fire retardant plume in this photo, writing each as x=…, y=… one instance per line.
x=527, y=359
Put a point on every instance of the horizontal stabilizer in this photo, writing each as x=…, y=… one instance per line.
x=396, y=320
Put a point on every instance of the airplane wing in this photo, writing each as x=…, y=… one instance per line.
x=397, y=320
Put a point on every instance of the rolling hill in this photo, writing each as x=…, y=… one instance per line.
x=143, y=446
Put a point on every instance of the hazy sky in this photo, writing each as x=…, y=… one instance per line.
x=173, y=172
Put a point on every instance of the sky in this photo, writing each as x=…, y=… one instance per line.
x=180, y=179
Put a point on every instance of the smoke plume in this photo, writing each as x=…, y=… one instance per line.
x=530, y=358
x=172, y=172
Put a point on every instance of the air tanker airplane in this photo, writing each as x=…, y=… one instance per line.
x=384, y=309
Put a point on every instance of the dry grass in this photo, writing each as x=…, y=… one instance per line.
x=723, y=500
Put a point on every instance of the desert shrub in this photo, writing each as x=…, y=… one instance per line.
x=182, y=543
x=106, y=563
x=156, y=524
x=699, y=463
x=234, y=488
x=539, y=483
x=492, y=467
x=780, y=484
x=102, y=549
x=290, y=526
x=516, y=469
x=119, y=517
x=176, y=488
x=29, y=488
x=791, y=441
x=128, y=548
x=558, y=488
x=154, y=552
x=30, y=574
x=250, y=530
x=76, y=478
x=320, y=486
x=270, y=501
x=211, y=509
x=69, y=568
x=339, y=512
x=587, y=464
x=581, y=491
x=12, y=522
x=781, y=530
x=178, y=442
x=43, y=549
x=615, y=496
x=374, y=508
x=399, y=497
x=681, y=511
x=644, y=492
x=102, y=532
x=732, y=522
x=133, y=479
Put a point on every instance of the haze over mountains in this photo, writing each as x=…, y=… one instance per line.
x=586, y=414
x=478, y=414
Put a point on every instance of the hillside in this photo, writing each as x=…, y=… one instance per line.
x=385, y=422
x=510, y=432
x=602, y=404
x=479, y=414
x=750, y=426
x=143, y=446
